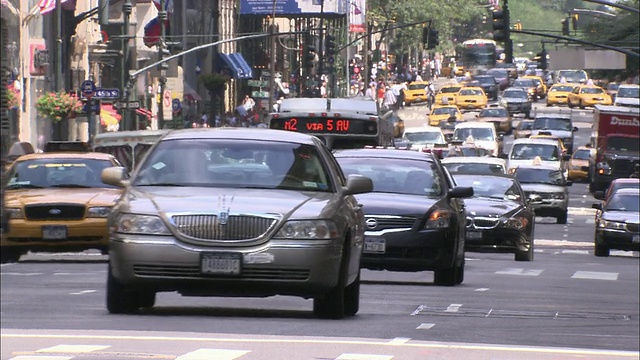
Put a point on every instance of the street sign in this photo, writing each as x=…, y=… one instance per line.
x=166, y=98
x=131, y=105
x=101, y=93
x=95, y=107
x=260, y=94
x=88, y=89
x=176, y=105
x=257, y=83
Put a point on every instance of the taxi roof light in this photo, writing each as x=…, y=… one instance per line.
x=67, y=146
x=537, y=161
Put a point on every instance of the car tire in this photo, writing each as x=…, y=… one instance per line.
x=570, y=104
x=331, y=305
x=446, y=276
x=525, y=255
x=460, y=274
x=120, y=300
x=601, y=250
x=581, y=105
x=9, y=256
x=562, y=218
x=352, y=297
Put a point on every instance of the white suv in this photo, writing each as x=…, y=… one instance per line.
x=483, y=135
x=628, y=95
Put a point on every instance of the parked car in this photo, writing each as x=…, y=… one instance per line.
x=251, y=213
x=56, y=202
x=550, y=184
x=414, y=216
x=500, y=218
x=618, y=222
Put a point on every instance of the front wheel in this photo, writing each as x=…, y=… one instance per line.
x=9, y=256
x=525, y=255
x=352, y=297
x=447, y=276
x=562, y=218
x=120, y=299
x=601, y=251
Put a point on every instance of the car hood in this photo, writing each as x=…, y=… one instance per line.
x=376, y=203
x=286, y=203
x=88, y=196
x=541, y=188
x=489, y=207
x=622, y=216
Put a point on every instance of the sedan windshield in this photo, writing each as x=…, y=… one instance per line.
x=550, y=123
x=58, y=173
x=539, y=176
x=629, y=92
x=482, y=134
x=425, y=137
x=494, y=113
x=515, y=94
x=234, y=164
x=491, y=186
x=399, y=176
x=474, y=168
x=624, y=202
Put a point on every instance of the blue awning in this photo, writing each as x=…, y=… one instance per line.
x=238, y=66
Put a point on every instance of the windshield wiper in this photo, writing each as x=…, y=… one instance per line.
x=24, y=186
x=71, y=186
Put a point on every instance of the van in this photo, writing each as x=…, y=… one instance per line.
x=572, y=76
x=628, y=95
x=129, y=147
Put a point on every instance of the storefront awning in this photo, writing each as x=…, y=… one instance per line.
x=240, y=69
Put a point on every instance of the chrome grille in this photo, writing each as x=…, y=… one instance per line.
x=482, y=223
x=54, y=212
x=237, y=227
x=390, y=222
x=193, y=271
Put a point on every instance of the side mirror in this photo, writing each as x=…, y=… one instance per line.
x=115, y=176
x=460, y=192
x=358, y=184
x=575, y=128
x=599, y=195
x=534, y=198
x=597, y=206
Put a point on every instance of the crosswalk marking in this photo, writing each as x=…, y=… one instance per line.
x=595, y=275
x=75, y=349
x=209, y=354
x=521, y=272
x=364, y=357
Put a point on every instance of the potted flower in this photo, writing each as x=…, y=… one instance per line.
x=58, y=106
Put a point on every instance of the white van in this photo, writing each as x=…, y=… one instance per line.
x=421, y=137
x=628, y=95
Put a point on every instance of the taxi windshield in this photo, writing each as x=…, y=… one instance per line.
x=58, y=173
x=424, y=137
x=592, y=90
x=482, y=134
x=546, y=152
x=443, y=111
x=564, y=88
x=581, y=155
x=450, y=89
x=539, y=176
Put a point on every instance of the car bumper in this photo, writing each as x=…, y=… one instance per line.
x=514, y=109
x=424, y=250
x=550, y=207
x=275, y=267
x=557, y=101
x=413, y=100
x=498, y=240
x=471, y=106
x=591, y=102
x=28, y=235
x=621, y=240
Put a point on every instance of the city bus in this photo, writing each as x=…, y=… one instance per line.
x=342, y=123
x=479, y=54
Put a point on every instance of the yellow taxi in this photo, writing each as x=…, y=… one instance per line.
x=558, y=94
x=443, y=113
x=447, y=94
x=580, y=162
x=471, y=98
x=415, y=92
x=588, y=95
x=57, y=202
x=541, y=87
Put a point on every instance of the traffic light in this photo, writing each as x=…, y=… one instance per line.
x=574, y=21
x=500, y=25
x=543, y=59
x=330, y=48
x=309, y=56
x=565, y=26
x=432, y=41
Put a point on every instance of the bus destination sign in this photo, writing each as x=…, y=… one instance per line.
x=314, y=125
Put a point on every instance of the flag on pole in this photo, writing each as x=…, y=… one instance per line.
x=47, y=6
x=168, y=5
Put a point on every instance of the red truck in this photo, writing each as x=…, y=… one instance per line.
x=616, y=139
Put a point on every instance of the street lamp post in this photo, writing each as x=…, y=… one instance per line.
x=127, y=8
x=162, y=16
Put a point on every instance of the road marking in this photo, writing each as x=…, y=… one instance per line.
x=595, y=275
x=41, y=357
x=76, y=349
x=453, y=308
x=364, y=357
x=482, y=289
x=218, y=354
x=581, y=252
x=522, y=272
x=624, y=253
x=399, y=341
x=82, y=292
x=21, y=274
x=425, y=326
x=590, y=221
x=549, y=242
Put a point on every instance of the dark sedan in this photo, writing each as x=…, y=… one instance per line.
x=489, y=85
x=516, y=100
x=618, y=222
x=499, y=216
x=415, y=218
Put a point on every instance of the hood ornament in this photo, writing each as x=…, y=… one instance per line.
x=223, y=213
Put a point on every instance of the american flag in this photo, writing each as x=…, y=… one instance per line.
x=168, y=5
x=47, y=6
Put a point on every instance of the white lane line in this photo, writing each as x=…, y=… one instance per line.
x=209, y=354
x=453, y=308
x=623, y=253
x=425, y=326
x=75, y=349
x=521, y=272
x=364, y=357
x=581, y=252
x=21, y=274
x=595, y=275
x=41, y=357
x=399, y=341
x=482, y=289
x=82, y=292
x=590, y=221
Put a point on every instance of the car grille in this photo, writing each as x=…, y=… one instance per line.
x=482, y=223
x=623, y=166
x=248, y=272
x=543, y=196
x=389, y=222
x=634, y=228
x=54, y=212
x=237, y=227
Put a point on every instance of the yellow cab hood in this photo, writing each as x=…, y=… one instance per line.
x=88, y=196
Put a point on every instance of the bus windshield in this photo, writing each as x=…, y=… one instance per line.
x=479, y=54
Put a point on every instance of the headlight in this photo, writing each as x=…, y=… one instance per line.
x=308, y=229
x=612, y=225
x=438, y=219
x=14, y=213
x=140, y=224
x=517, y=223
x=98, y=211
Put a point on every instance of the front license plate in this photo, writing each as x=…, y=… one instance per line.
x=221, y=263
x=473, y=235
x=54, y=232
x=374, y=245
x=635, y=239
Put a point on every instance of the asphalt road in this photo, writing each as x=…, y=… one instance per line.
x=565, y=304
